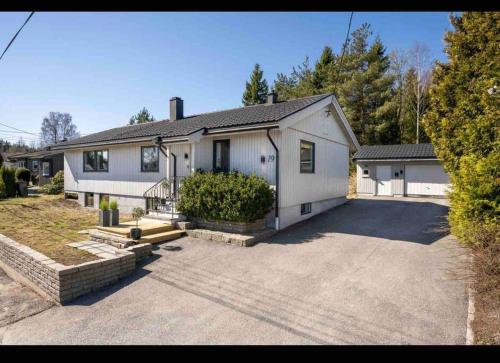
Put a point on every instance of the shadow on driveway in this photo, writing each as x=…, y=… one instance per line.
x=399, y=220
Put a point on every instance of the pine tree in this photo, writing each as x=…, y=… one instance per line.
x=256, y=90
x=141, y=117
x=463, y=120
x=322, y=70
x=367, y=92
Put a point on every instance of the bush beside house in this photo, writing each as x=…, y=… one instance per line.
x=56, y=184
x=233, y=196
x=23, y=174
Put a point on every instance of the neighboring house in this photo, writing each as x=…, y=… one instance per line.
x=400, y=170
x=301, y=147
x=44, y=163
x=7, y=161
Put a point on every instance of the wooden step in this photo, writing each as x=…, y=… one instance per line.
x=161, y=237
x=123, y=229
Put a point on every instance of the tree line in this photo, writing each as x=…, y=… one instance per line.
x=384, y=96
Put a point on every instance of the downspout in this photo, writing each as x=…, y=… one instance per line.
x=157, y=141
x=277, y=172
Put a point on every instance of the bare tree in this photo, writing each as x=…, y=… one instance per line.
x=419, y=59
x=58, y=127
x=399, y=63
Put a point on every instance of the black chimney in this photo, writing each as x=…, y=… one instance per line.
x=176, y=108
x=272, y=98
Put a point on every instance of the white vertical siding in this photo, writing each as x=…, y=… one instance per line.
x=330, y=179
x=245, y=153
x=124, y=176
x=365, y=185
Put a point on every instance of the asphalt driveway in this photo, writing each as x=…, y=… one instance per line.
x=373, y=271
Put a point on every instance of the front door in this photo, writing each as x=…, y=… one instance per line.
x=384, y=180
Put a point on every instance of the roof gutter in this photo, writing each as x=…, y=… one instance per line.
x=277, y=173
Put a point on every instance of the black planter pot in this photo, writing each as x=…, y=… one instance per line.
x=104, y=218
x=115, y=217
x=135, y=233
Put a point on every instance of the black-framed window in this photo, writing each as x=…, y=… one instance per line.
x=150, y=158
x=35, y=165
x=221, y=156
x=95, y=160
x=305, y=208
x=307, y=154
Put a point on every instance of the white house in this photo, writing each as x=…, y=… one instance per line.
x=400, y=170
x=301, y=147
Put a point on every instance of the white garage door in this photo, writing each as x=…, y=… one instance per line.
x=426, y=180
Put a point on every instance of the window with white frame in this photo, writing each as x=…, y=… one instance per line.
x=366, y=173
x=306, y=157
x=46, y=168
x=149, y=158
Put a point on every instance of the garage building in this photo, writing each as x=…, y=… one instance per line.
x=400, y=170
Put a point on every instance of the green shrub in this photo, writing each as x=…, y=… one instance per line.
x=113, y=205
x=230, y=196
x=56, y=184
x=8, y=175
x=3, y=192
x=23, y=174
x=103, y=205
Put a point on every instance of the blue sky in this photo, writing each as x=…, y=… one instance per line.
x=104, y=67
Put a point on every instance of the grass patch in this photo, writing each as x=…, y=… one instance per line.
x=47, y=223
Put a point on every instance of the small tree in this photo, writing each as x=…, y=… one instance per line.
x=137, y=213
x=141, y=117
x=256, y=90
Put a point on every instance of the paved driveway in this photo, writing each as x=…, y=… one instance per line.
x=368, y=272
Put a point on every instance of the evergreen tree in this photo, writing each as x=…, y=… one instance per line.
x=141, y=117
x=256, y=90
x=463, y=121
x=367, y=92
x=322, y=70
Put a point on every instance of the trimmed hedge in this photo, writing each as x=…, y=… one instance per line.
x=23, y=174
x=233, y=196
x=8, y=176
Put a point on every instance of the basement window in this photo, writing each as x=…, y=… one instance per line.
x=305, y=208
x=89, y=200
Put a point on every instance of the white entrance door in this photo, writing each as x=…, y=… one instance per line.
x=384, y=180
x=426, y=180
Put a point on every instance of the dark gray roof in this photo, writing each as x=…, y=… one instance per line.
x=243, y=116
x=404, y=151
x=35, y=155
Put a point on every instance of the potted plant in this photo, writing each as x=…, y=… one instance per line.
x=135, y=233
x=115, y=213
x=104, y=214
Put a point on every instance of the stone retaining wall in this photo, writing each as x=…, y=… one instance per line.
x=231, y=227
x=65, y=283
x=242, y=240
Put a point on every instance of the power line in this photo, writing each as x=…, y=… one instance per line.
x=345, y=42
x=11, y=127
x=15, y=36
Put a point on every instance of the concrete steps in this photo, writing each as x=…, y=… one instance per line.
x=123, y=229
x=161, y=237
